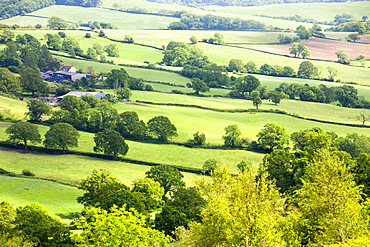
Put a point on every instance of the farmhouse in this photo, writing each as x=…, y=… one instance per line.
x=67, y=73
x=78, y=94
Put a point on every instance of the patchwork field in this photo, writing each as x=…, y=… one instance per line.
x=72, y=168
x=317, y=11
x=158, y=38
x=223, y=54
x=320, y=48
x=75, y=14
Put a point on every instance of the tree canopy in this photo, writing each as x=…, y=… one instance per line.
x=61, y=136
x=110, y=142
x=168, y=177
x=23, y=132
x=162, y=128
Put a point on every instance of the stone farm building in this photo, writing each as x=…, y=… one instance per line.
x=67, y=73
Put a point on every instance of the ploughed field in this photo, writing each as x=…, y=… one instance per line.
x=320, y=48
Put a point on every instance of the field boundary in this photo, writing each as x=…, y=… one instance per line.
x=276, y=111
x=43, y=150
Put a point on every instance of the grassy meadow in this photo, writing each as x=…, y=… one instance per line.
x=158, y=38
x=58, y=199
x=317, y=11
x=223, y=54
x=75, y=14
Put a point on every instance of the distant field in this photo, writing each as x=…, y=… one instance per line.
x=320, y=48
x=146, y=74
x=165, y=154
x=158, y=38
x=58, y=199
x=317, y=11
x=301, y=108
x=223, y=54
x=190, y=120
x=75, y=14
x=72, y=168
x=150, y=6
x=12, y=107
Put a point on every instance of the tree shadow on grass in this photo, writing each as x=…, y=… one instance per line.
x=68, y=216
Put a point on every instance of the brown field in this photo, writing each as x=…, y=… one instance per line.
x=365, y=38
x=320, y=48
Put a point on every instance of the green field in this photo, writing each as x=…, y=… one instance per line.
x=75, y=14
x=317, y=11
x=58, y=199
x=158, y=38
x=223, y=54
x=146, y=74
x=301, y=108
x=72, y=168
x=166, y=154
x=12, y=108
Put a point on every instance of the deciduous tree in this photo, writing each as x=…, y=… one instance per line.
x=117, y=228
x=169, y=178
x=110, y=142
x=247, y=84
x=23, y=132
x=35, y=224
x=37, y=110
x=162, y=128
x=232, y=136
x=58, y=23
x=198, y=85
x=272, y=136
x=329, y=203
x=62, y=136
x=238, y=207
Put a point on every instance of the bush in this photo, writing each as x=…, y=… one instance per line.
x=28, y=173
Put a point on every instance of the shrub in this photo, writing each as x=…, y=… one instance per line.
x=28, y=173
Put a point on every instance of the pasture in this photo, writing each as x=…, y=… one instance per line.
x=72, y=168
x=158, y=38
x=318, y=11
x=212, y=124
x=319, y=48
x=163, y=153
x=223, y=54
x=146, y=74
x=301, y=108
x=12, y=108
x=75, y=14
x=129, y=53
x=58, y=199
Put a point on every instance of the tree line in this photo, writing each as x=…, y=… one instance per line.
x=9, y=8
x=194, y=21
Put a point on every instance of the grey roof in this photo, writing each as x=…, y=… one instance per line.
x=80, y=94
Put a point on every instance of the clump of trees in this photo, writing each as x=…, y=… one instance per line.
x=181, y=54
x=194, y=21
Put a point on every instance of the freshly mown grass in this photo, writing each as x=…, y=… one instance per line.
x=317, y=11
x=75, y=14
x=58, y=199
x=223, y=54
